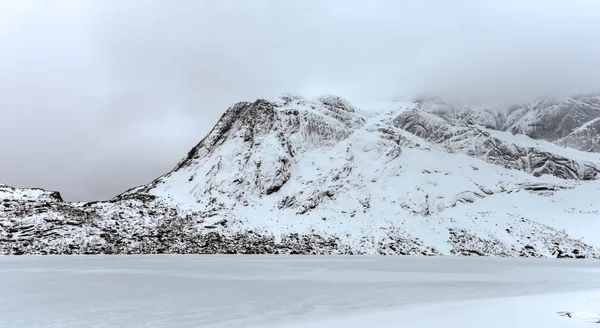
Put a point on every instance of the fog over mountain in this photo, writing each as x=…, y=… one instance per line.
x=99, y=96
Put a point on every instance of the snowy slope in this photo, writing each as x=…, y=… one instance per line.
x=568, y=121
x=321, y=176
x=295, y=291
x=28, y=194
x=585, y=137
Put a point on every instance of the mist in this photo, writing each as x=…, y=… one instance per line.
x=100, y=96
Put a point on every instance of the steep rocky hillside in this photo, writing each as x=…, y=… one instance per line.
x=321, y=176
x=568, y=122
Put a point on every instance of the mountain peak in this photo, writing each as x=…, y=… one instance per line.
x=317, y=175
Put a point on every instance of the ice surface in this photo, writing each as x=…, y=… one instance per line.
x=286, y=291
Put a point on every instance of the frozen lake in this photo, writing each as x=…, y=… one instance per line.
x=277, y=291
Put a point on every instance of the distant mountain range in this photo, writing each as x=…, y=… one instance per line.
x=320, y=176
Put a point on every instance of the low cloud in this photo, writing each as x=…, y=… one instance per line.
x=99, y=96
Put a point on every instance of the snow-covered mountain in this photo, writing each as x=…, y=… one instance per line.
x=321, y=176
x=569, y=122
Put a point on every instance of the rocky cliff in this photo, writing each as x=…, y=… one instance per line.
x=321, y=176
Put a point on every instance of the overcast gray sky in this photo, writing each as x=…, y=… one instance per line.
x=97, y=96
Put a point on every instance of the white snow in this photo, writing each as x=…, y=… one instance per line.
x=525, y=141
x=353, y=175
x=576, y=210
x=286, y=291
x=8, y=192
x=587, y=125
x=527, y=312
x=376, y=185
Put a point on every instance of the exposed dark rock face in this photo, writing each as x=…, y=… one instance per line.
x=586, y=137
x=568, y=122
x=55, y=227
x=258, y=117
x=473, y=141
x=552, y=119
x=301, y=176
x=467, y=244
x=553, y=243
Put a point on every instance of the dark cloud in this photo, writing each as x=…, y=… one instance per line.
x=98, y=96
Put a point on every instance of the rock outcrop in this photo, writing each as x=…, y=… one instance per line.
x=315, y=176
x=569, y=122
x=471, y=140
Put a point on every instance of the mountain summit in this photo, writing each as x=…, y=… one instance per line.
x=321, y=176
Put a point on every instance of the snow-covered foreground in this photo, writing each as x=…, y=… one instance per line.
x=288, y=291
x=319, y=176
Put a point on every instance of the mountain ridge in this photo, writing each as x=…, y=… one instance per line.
x=317, y=176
